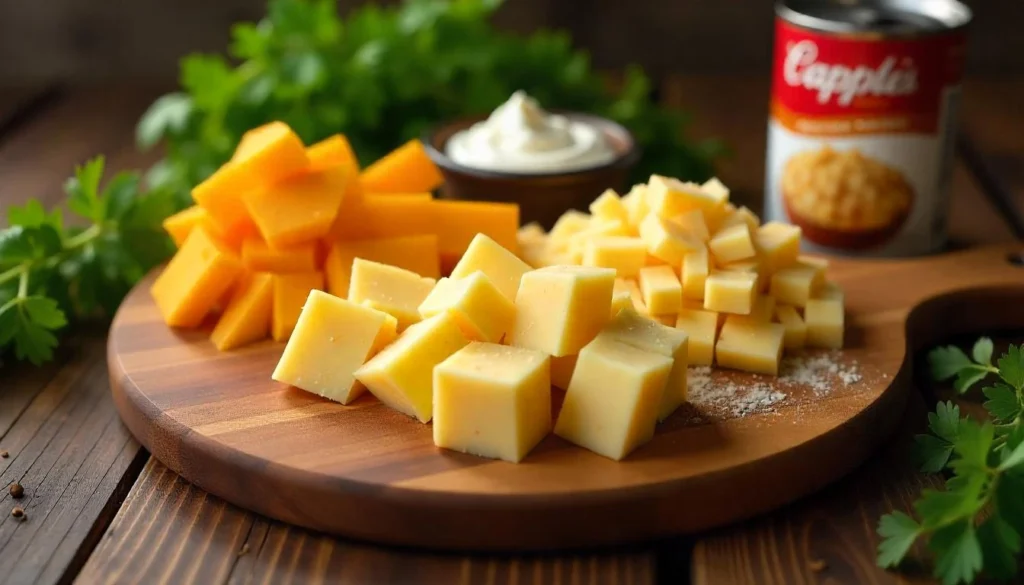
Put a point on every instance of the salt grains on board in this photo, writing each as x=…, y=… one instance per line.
x=818, y=372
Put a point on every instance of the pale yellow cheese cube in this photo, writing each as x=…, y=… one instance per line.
x=701, y=328
x=609, y=206
x=752, y=347
x=668, y=319
x=331, y=339
x=530, y=234
x=559, y=309
x=730, y=292
x=825, y=323
x=670, y=197
x=597, y=228
x=716, y=189
x=635, y=203
x=796, y=330
x=492, y=401
x=815, y=261
x=830, y=291
x=387, y=335
x=662, y=291
x=570, y=222
x=751, y=266
x=739, y=216
x=666, y=240
x=693, y=225
x=626, y=255
x=481, y=310
x=778, y=245
x=535, y=254
x=796, y=284
x=401, y=375
x=634, y=293
x=561, y=370
x=762, y=311
x=502, y=267
x=732, y=244
x=611, y=406
x=695, y=271
x=631, y=328
x=394, y=290
x=621, y=299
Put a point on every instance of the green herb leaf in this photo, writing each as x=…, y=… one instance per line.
x=1009, y=501
x=84, y=190
x=967, y=377
x=120, y=194
x=1011, y=367
x=33, y=339
x=1002, y=404
x=947, y=362
x=982, y=351
x=973, y=444
x=931, y=453
x=958, y=553
x=945, y=421
x=899, y=532
x=1013, y=459
x=169, y=114
x=32, y=214
x=1000, y=544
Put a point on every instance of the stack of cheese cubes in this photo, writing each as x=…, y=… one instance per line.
x=280, y=219
x=477, y=353
x=685, y=256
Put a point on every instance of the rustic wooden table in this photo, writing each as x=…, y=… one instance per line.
x=99, y=509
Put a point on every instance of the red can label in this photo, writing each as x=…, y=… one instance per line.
x=861, y=136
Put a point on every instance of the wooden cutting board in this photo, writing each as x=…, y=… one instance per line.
x=367, y=472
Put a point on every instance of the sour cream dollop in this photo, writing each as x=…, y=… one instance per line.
x=521, y=137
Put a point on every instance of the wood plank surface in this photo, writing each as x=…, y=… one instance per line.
x=735, y=109
x=66, y=445
x=169, y=531
x=993, y=119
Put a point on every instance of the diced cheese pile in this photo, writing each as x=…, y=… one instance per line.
x=692, y=260
x=280, y=219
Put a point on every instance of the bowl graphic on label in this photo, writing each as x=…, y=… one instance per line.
x=845, y=199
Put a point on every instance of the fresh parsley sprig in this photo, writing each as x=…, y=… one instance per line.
x=51, y=272
x=975, y=524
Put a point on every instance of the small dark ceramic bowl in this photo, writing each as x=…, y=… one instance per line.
x=542, y=197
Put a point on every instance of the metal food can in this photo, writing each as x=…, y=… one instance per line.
x=862, y=123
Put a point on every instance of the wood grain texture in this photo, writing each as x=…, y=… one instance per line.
x=72, y=455
x=368, y=472
x=171, y=532
x=743, y=126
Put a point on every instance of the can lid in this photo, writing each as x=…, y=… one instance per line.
x=890, y=17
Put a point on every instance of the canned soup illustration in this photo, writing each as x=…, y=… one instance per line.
x=861, y=129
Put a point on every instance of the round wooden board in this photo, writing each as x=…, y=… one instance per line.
x=367, y=472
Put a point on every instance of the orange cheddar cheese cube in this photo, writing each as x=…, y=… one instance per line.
x=332, y=151
x=180, y=225
x=300, y=209
x=458, y=222
x=415, y=253
x=290, y=292
x=195, y=279
x=221, y=196
x=270, y=153
x=258, y=256
x=406, y=169
x=367, y=216
x=247, y=318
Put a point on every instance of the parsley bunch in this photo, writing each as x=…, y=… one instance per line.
x=50, y=272
x=383, y=75
x=976, y=523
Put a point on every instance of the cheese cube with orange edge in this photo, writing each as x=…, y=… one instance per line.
x=247, y=317
x=258, y=256
x=504, y=268
x=363, y=217
x=333, y=338
x=266, y=155
x=416, y=253
x=195, y=279
x=299, y=209
x=456, y=223
x=406, y=169
x=290, y=291
x=386, y=288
